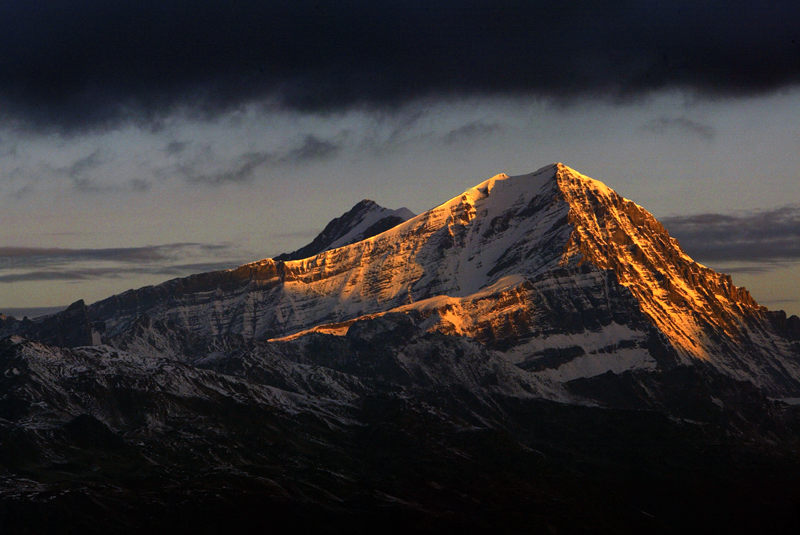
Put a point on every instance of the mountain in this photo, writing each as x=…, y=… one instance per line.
x=363, y=221
x=536, y=353
x=551, y=263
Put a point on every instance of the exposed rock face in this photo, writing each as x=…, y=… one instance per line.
x=702, y=314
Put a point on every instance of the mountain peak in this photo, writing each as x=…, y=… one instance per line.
x=365, y=203
x=362, y=221
x=559, y=173
x=569, y=177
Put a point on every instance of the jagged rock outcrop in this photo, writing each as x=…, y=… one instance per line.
x=69, y=328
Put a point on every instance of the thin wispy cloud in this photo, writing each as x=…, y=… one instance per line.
x=80, y=167
x=23, y=192
x=752, y=270
x=470, y=131
x=312, y=148
x=84, y=274
x=45, y=255
x=30, y=312
x=680, y=125
x=139, y=185
x=20, y=264
x=95, y=173
x=81, y=172
x=245, y=167
x=241, y=169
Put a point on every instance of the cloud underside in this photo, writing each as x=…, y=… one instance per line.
x=91, y=64
x=759, y=240
x=26, y=264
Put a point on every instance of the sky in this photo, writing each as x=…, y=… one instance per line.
x=141, y=141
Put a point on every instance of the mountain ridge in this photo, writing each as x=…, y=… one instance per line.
x=505, y=240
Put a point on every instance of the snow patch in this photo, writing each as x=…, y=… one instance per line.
x=585, y=366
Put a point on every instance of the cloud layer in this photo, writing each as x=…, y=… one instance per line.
x=88, y=64
x=766, y=236
x=21, y=264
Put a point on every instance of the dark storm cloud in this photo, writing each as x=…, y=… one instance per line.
x=680, y=125
x=80, y=64
x=766, y=236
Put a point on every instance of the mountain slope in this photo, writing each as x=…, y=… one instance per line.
x=701, y=312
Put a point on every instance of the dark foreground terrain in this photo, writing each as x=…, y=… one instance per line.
x=399, y=459
x=598, y=480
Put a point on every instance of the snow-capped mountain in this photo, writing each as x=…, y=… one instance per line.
x=550, y=263
x=535, y=337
